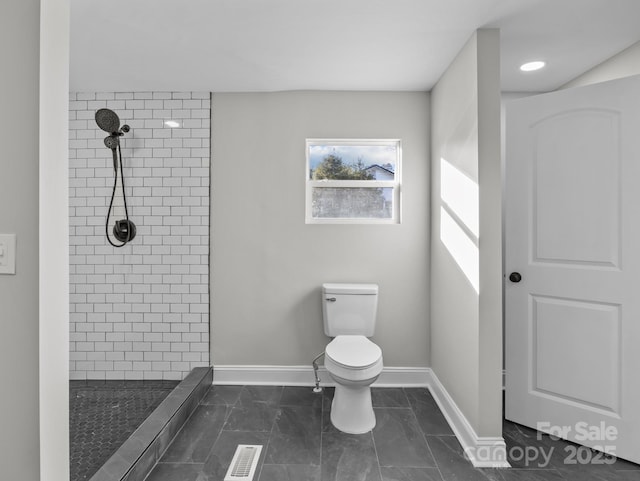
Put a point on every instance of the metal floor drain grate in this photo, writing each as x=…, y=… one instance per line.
x=244, y=463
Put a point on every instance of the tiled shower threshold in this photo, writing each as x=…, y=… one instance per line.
x=140, y=452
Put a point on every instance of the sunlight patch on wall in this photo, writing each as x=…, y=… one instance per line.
x=461, y=248
x=460, y=194
x=459, y=220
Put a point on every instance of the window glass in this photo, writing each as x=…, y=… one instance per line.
x=352, y=162
x=352, y=202
x=354, y=181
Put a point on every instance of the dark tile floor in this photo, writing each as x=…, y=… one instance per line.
x=411, y=442
x=103, y=414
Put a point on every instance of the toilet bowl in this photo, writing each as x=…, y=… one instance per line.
x=354, y=362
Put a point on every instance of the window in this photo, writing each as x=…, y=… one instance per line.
x=353, y=181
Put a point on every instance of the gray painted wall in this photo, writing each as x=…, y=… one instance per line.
x=466, y=328
x=454, y=305
x=19, y=50
x=34, y=302
x=268, y=266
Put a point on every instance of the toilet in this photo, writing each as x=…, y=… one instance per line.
x=353, y=361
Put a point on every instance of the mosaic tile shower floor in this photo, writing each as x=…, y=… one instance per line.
x=103, y=414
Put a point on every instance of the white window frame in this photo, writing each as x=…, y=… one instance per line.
x=394, y=184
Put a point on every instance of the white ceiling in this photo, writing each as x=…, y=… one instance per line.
x=272, y=45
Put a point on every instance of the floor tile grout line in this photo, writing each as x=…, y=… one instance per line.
x=424, y=436
x=190, y=463
x=184, y=424
x=227, y=414
x=375, y=450
x=322, y=393
x=227, y=408
x=273, y=423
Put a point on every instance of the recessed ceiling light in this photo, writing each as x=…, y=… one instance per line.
x=172, y=123
x=531, y=66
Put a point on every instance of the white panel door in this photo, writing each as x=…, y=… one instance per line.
x=572, y=214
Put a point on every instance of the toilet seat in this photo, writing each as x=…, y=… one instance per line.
x=353, y=358
x=353, y=352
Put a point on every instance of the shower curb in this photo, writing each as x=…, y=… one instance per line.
x=137, y=456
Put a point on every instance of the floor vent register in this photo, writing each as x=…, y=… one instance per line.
x=244, y=463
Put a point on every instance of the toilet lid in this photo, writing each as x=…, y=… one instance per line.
x=355, y=352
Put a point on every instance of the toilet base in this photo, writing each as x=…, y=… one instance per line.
x=351, y=409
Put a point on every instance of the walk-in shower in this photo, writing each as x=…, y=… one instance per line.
x=124, y=230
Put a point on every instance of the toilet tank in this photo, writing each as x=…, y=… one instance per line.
x=349, y=309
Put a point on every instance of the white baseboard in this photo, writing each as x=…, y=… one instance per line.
x=266, y=375
x=303, y=376
x=483, y=452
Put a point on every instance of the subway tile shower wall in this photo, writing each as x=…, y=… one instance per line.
x=140, y=311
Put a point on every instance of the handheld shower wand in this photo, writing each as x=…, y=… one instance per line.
x=124, y=230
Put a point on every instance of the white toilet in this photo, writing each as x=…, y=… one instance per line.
x=352, y=360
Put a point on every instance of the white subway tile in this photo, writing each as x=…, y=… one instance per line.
x=77, y=356
x=135, y=355
x=134, y=104
x=192, y=357
x=115, y=336
x=160, y=346
x=179, y=288
x=178, y=268
x=122, y=365
x=200, y=114
x=191, y=337
x=143, y=114
x=159, y=269
x=159, y=284
x=116, y=105
x=173, y=104
x=156, y=104
x=122, y=346
x=104, y=346
x=83, y=96
x=160, y=326
x=133, y=336
x=182, y=308
x=85, y=365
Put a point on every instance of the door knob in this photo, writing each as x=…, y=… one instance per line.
x=515, y=277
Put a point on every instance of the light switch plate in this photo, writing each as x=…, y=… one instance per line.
x=7, y=253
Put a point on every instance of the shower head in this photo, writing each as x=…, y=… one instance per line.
x=108, y=120
x=111, y=141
